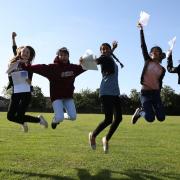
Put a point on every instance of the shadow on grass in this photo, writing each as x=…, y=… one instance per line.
x=136, y=174
x=141, y=174
x=27, y=175
x=104, y=174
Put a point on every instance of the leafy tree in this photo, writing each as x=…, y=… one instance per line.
x=126, y=104
x=135, y=99
x=168, y=96
x=87, y=101
x=38, y=100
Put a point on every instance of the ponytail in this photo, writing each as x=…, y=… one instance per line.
x=117, y=60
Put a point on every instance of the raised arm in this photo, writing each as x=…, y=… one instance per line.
x=143, y=44
x=14, y=46
x=114, y=45
x=170, y=67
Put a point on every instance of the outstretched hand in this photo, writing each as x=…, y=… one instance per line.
x=14, y=35
x=114, y=45
x=139, y=25
x=81, y=61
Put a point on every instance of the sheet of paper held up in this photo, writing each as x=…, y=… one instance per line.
x=20, y=83
x=144, y=18
x=171, y=44
x=89, y=62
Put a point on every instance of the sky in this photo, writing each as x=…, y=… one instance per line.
x=86, y=24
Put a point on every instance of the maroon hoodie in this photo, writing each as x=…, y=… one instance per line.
x=61, y=77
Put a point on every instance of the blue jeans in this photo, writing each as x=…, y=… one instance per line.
x=152, y=105
x=59, y=105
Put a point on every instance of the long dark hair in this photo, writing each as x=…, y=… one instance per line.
x=64, y=50
x=112, y=54
x=18, y=55
x=162, y=54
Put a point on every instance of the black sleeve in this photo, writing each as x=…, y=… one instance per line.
x=107, y=64
x=100, y=60
x=30, y=75
x=10, y=83
x=170, y=67
x=14, y=50
x=143, y=46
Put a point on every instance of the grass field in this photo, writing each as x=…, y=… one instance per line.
x=142, y=151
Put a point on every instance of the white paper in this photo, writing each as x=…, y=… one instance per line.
x=88, y=61
x=171, y=44
x=144, y=18
x=20, y=83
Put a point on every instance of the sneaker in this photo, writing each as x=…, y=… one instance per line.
x=66, y=116
x=54, y=125
x=25, y=127
x=105, y=145
x=92, y=141
x=43, y=122
x=136, y=115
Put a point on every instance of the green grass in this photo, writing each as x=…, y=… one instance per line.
x=142, y=151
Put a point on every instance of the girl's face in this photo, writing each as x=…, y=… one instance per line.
x=25, y=53
x=63, y=57
x=155, y=54
x=105, y=50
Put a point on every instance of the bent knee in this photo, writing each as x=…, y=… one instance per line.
x=150, y=118
x=108, y=121
x=72, y=118
x=57, y=119
x=10, y=117
x=161, y=119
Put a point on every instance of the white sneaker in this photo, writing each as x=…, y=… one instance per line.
x=66, y=116
x=136, y=116
x=25, y=127
x=43, y=122
x=105, y=145
x=92, y=141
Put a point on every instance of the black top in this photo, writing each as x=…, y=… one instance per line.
x=172, y=69
x=107, y=64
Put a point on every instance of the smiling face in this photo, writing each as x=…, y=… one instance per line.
x=63, y=57
x=155, y=53
x=105, y=50
x=25, y=53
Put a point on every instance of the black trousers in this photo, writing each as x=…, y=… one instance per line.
x=19, y=103
x=111, y=106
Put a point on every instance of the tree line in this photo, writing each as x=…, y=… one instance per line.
x=88, y=101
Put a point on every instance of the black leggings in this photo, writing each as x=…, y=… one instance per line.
x=19, y=103
x=111, y=105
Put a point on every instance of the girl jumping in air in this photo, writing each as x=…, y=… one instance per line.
x=20, y=80
x=151, y=80
x=61, y=75
x=109, y=94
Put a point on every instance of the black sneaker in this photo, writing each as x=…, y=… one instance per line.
x=54, y=125
x=136, y=116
